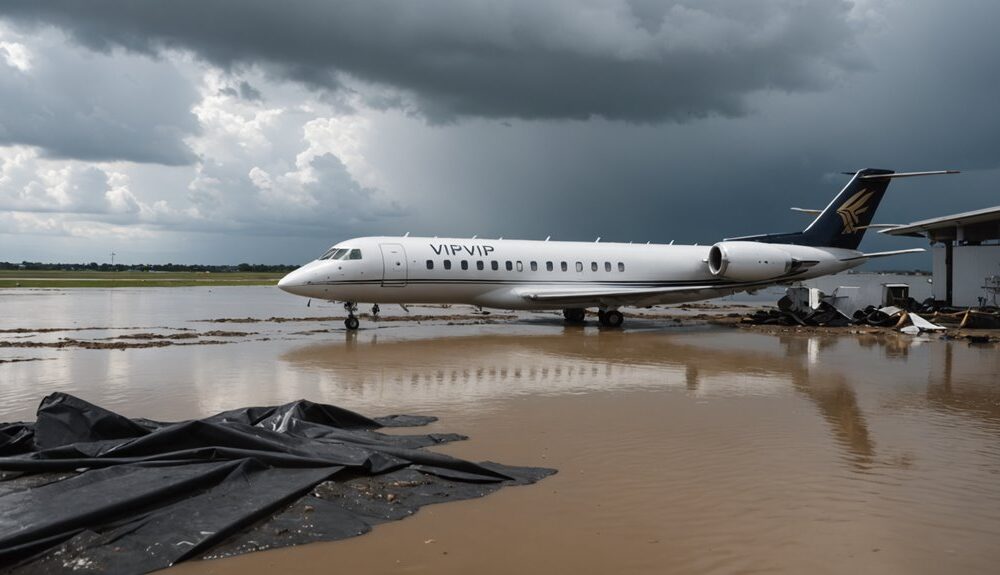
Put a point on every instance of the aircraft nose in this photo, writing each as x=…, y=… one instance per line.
x=293, y=280
x=302, y=281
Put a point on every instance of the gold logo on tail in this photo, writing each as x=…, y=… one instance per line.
x=852, y=209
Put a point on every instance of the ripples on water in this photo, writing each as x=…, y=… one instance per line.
x=704, y=450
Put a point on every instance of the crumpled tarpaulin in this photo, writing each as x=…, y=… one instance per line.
x=87, y=490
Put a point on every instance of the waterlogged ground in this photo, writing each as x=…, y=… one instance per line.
x=682, y=447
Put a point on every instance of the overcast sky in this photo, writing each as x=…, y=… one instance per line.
x=197, y=131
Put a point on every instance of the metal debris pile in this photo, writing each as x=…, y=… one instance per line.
x=802, y=307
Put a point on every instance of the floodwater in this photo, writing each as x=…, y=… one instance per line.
x=693, y=449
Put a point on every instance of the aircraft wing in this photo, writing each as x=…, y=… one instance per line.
x=883, y=254
x=619, y=295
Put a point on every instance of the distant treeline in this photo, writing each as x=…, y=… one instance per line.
x=94, y=266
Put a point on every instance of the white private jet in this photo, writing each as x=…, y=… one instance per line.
x=573, y=276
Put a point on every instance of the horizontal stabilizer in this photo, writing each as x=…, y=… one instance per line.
x=883, y=254
x=808, y=211
x=906, y=174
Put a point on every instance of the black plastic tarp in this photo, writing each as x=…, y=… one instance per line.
x=87, y=490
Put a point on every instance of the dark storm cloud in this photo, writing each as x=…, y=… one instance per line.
x=70, y=105
x=248, y=92
x=243, y=90
x=636, y=60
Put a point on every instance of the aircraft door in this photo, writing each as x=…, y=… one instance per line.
x=393, y=265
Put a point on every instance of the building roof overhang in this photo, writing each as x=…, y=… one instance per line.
x=977, y=225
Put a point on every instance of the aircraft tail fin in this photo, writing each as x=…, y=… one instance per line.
x=843, y=223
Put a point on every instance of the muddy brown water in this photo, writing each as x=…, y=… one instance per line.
x=680, y=450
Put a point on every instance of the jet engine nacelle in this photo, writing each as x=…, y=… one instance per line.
x=748, y=261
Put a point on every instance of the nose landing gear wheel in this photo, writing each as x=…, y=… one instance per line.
x=351, y=322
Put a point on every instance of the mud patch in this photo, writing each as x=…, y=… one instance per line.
x=155, y=336
x=185, y=335
x=134, y=340
x=95, y=328
x=492, y=318
x=84, y=344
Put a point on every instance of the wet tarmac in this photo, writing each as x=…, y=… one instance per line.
x=682, y=447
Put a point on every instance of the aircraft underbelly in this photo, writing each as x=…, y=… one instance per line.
x=486, y=295
x=411, y=293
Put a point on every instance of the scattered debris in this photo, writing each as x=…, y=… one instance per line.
x=807, y=307
x=811, y=307
x=919, y=324
x=824, y=315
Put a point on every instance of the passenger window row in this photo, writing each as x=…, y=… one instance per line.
x=533, y=266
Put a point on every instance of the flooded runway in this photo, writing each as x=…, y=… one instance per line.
x=680, y=449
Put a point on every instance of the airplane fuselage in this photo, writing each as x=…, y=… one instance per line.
x=508, y=274
x=573, y=276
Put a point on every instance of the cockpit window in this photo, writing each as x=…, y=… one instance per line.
x=342, y=254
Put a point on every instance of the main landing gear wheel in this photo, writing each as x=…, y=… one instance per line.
x=574, y=314
x=352, y=323
x=611, y=318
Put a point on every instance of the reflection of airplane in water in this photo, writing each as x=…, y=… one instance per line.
x=834, y=397
x=478, y=368
x=950, y=377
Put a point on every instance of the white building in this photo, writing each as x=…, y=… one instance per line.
x=966, y=255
